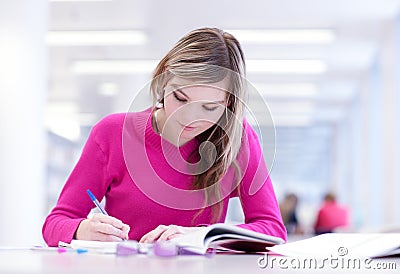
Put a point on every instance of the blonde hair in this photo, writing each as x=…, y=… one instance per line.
x=209, y=55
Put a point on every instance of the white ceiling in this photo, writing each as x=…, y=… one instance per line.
x=357, y=24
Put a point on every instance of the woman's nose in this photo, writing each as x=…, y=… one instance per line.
x=189, y=113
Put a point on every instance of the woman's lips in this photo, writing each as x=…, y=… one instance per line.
x=189, y=128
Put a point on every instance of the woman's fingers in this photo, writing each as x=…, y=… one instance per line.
x=109, y=229
x=111, y=226
x=153, y=235
x=126, y=229
x=172, y=230
x=162, y=233
x=174, y=236
x=102, y=228
x=108, y=220
x=106, y=237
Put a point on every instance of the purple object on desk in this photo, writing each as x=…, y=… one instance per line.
x=165, y=249
x=127, y=248
x=160, y=249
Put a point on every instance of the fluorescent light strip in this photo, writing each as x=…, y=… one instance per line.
x=108, y=89
x=281, y=108
x=80, y=0
x=87, y=119
x=292, y=120
x=64, y=107
x=146, y=66
x=301, y=120
x=284, y=36
x=285, y=90
x=92, y=38
x=291, y=107
x=287, y=66
x=113, y=66
x=62, y=119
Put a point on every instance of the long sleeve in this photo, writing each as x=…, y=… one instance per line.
x=74, y=204
x=256, y=193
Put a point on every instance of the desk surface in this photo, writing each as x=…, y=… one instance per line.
x=53, y=262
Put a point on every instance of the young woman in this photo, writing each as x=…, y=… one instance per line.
x=171, y=169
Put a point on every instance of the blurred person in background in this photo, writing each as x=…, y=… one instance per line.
x=331, y=216
x=288, y=208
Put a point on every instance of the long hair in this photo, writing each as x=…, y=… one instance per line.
x=209, y=55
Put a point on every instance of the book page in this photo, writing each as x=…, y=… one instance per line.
x=200, y=241
x=195, y=240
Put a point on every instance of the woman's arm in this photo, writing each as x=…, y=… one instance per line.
x=256, y=193
x=74, y=204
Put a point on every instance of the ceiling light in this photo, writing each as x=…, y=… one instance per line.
x=93, y=38
x=61, y=119
x=80, y=0
x=87, y=118
x=286, y=66
x=108, y=89
x=283, y=120
x=147, y=66
x=291, y=107
x=275, y=108
x=287, y=90
x=63, y=107
x=292, y=120
x=113, y=66
x=284, y=36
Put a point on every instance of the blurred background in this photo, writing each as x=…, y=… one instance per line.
x=328, y=70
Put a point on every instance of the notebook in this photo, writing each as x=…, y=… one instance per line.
x=371, y=245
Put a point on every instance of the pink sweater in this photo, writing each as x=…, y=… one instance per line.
x=330, y=216
x=145, y=182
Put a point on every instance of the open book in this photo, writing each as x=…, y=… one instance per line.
x=329, y=245
x=221, y=236
x=226, y=237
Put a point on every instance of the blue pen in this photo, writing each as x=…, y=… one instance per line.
x=96, y=202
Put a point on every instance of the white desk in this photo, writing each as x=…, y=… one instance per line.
x=52, y=262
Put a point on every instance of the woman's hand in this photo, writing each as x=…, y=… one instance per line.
x=102, y=228
x=164, y=232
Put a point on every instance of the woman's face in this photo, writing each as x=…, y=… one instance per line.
x=192, y=109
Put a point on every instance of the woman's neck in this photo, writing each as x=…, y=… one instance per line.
x=164, y=131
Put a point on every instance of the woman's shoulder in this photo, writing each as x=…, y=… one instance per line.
x=109, y=122
x=117, y=120
x=113, y=124
x=112, y=119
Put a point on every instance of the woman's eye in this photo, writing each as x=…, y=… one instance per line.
x=210, y=109
x=178, y=98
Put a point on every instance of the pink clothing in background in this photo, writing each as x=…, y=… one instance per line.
x=331, y=216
